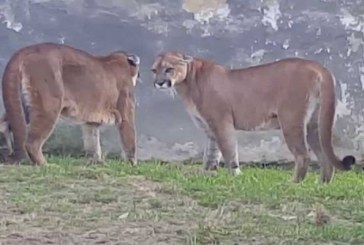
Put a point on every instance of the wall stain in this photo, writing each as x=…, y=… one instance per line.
x=195, y=6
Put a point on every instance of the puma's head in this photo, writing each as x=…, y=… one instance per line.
x=170, y=69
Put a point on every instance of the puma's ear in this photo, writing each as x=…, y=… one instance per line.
x=133, y=59
x=187, y=59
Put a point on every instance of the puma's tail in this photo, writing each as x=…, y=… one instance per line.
x=12, y=85
x=326, y=119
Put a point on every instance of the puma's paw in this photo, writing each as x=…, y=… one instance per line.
x=133, y=162
x=94, y=161
x=211, y=166
x=16, y=161
x=236, y=171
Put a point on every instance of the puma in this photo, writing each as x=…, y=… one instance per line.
x=50, y=81
x=294, y=95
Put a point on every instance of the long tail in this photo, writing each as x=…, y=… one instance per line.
x=11, y=84
x=326, y=118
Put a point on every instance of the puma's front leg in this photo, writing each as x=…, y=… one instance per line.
x=212, y=153
x=225, y=138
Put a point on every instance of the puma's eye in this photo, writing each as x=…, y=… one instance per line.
x=169, y=69
x=154, y=71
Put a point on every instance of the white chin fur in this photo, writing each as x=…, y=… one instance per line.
x=163, y=86
x=157, y=86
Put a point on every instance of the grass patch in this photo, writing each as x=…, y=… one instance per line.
x=153, y=203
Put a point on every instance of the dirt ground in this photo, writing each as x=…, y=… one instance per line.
x=84, y=212
x=67, y=202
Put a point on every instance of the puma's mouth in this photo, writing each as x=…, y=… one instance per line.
x=164, y=84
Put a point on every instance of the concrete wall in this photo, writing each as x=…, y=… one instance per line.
x=235, y=33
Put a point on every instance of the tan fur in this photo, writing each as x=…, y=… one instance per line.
x=58, y=80
x=294, y=95
x=4, y=129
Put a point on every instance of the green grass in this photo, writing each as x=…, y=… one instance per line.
x=153, y=203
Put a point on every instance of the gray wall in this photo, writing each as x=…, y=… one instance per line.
x=235, y=33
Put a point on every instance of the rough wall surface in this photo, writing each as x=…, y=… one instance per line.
x=232, y=32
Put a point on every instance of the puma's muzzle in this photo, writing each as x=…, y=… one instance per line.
x=163, y=84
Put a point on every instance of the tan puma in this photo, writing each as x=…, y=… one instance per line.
x=54, y=80
x=293, y=94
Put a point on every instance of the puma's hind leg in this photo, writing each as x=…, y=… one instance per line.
x=294, y=137
x=4, y=129
x=43, y=91
x=9, y=141
x=91, y=143
x=293, y=130
x=313, y=140
x=42, y=122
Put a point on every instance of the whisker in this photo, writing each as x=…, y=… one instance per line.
x=174, y=92
x=167, y=92
x=171, y=92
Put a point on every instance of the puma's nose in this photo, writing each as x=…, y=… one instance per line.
x=163, y=83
